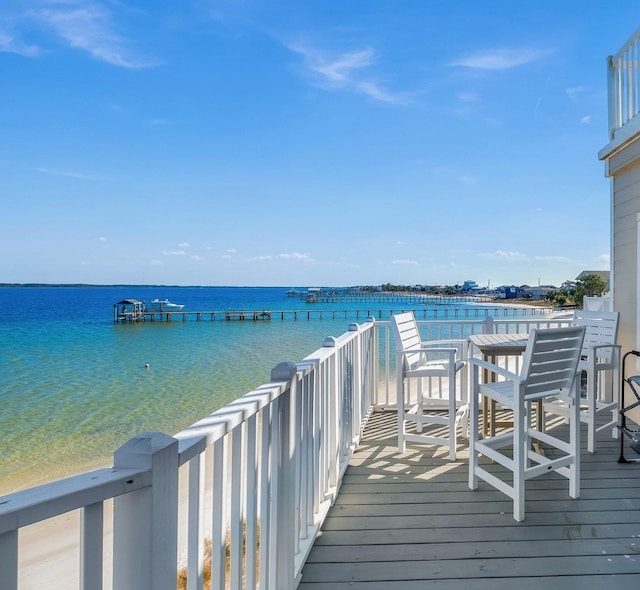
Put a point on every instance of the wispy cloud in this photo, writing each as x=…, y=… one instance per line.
x=501, y=59
x=574, y=92
x=586, y=120
x=87, y=25
x=504, y=255
x=102, y=239
x=174, y=253
x=53, y=172
x=197, y=258
x=346, y=70
x=455, y=175
x=519, y=257
x=296, y=256
x=10, y=44
x=405, y=262
x=562, y=259
x=468, y=97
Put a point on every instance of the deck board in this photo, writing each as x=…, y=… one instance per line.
x=410, y=521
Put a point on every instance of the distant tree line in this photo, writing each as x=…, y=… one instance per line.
x=569, y=293
x=430, y=289
x=572, y=292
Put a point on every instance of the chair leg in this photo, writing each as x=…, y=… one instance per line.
x=452, y=417
x=473, y=430
x=419, y=403
x=592, y=376
x=574, y=444
x=400, y=404
x=520, y=447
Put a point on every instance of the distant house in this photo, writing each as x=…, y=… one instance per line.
x=509, y=292
x=537, y=293
x=470, y=286
x=622, y=165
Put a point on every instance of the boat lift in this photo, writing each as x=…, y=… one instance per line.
x=632, y=433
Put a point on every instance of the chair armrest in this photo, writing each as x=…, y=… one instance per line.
x=460, y=344
x=457, y=341
x=494, y=369
x=596, y=347
x=450, y=351
x=592, y=356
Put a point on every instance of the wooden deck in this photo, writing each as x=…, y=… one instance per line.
x=410, y=521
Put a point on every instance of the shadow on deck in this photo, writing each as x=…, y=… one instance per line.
x=410, y=521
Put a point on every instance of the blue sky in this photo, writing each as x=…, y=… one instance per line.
x=303, y=143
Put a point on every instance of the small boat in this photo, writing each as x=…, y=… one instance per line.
x=292, y=293
x=164, y=305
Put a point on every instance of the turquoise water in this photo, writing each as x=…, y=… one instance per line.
x=74, y=387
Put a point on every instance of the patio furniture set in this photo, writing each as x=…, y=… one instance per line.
x=548, y=386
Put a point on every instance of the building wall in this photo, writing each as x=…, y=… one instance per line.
x=624, y=169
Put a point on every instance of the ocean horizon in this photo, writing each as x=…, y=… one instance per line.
x=76, y=386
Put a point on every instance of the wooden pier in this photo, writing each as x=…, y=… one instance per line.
x=405, y=297
x=424, y=313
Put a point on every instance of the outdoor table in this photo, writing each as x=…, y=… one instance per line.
x=492, y=346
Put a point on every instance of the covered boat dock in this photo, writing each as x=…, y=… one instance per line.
x=128, y=310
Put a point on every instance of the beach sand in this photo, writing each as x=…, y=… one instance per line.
x=49, y=550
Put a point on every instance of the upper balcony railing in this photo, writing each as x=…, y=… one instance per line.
x=624, y=84
x=252, y=482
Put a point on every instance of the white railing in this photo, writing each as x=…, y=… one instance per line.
x=624, y=84
x=252, y=482
x=447, y=330
x=254, y=479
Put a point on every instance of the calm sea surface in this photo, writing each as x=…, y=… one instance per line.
x=74, y=387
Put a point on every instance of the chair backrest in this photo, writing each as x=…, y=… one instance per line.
x=407, y=337
x=551, y=360
x=601, y=327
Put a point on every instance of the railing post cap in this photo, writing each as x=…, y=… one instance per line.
x=354, y=327
x=145, y=444
x=371, y=320
x=284, y=371
x=329, y=341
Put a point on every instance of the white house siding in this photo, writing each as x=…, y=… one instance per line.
x=623, y=167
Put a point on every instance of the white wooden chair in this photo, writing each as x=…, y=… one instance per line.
x=600, y=353
x=549, y=368
x=439, y=362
